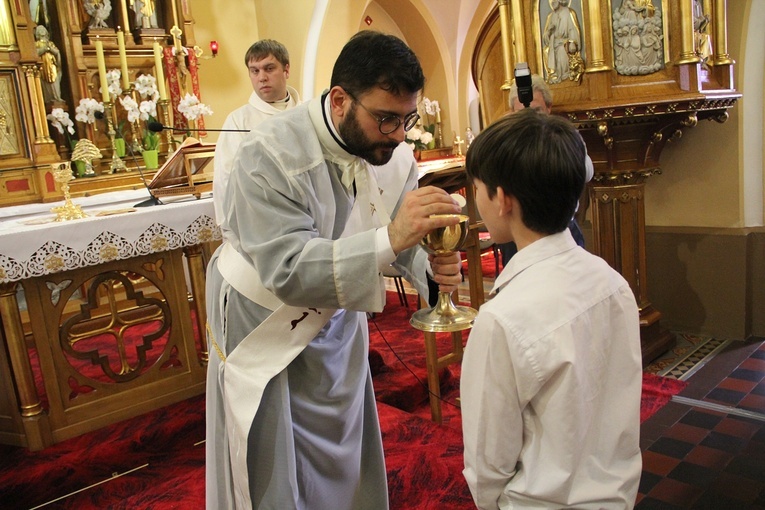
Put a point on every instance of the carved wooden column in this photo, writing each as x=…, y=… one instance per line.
x=625, y=143
x=34, y=419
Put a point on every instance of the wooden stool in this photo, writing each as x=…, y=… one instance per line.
x=433, y=364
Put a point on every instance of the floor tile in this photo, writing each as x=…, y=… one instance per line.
x=754, y=364
x=702, y=419
x=741, y=385
x=693, y=474
x=736, y=427
x=724, y=396
x=747, y=374
x=672, y=447
x=648, y=503
x=687, y=433
x=658, y=464
x=648, y=481
x=750, y=466
x=736, y=487
x=724, y=442
x=709, y=457
x=754, y=403
x=675, y=492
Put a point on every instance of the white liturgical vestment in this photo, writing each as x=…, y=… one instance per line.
x=303, y=212
x=245, y=117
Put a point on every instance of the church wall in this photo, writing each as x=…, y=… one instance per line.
x=225, y=85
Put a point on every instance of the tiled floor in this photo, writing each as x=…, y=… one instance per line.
x=706, y=448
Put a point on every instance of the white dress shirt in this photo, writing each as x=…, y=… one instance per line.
x=551, y=383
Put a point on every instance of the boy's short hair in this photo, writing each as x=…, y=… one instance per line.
x=264, y=48
x=537, y=158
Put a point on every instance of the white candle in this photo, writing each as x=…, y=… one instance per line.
x=102, y=71
x=123, y=60
x=160, y=73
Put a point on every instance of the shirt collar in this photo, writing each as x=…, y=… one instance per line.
x=539, y=250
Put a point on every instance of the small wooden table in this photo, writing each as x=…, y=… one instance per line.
x=451, y=177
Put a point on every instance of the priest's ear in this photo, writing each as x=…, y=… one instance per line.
x=339, y=101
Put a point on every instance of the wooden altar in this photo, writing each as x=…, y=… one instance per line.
x=105, y=326
x=635, y=75
x=48, y=60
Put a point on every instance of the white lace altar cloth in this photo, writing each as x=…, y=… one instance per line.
x=32, y=244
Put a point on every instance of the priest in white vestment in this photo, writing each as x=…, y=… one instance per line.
x=268, y=65
x=322, y=198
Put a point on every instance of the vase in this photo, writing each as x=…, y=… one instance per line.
x=417, y=154
x=80, y=168
x=151, y=159
x=119, y=146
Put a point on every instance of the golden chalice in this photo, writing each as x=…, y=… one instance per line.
x=445, y=316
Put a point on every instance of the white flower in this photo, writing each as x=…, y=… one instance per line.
x=113, y=81
x=411, y=146
x=131, y=107
x=426, y=137
x=148, y=109
x=85, y=111
x=191, y=108
x=59, y=119
x=431, y=107
x=414, y=134
x=146, y=85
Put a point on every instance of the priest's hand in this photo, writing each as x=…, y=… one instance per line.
x=446, y=271
x=414, y=218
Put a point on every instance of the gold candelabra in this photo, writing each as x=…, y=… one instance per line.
x=116, y=164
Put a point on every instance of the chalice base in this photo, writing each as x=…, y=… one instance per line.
x=444, y=317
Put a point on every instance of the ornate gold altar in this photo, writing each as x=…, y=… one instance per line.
x=632, y=75
x=105, y=326
x=53, y=54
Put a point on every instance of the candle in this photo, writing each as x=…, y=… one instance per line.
x=160, y=74
x=123, y=60
x=438, y=116
x=102, y=71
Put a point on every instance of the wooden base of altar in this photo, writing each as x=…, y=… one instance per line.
x=58, y=382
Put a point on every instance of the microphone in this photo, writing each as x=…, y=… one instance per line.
x=156, y=127
x=523, y=84
x=152, y=200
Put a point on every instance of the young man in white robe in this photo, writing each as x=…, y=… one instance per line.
x=323, y=197
x=551, y=377
x=268, y=65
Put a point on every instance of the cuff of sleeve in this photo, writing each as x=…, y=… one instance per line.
x=385, y=255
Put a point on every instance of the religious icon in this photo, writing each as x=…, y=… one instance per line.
x=99, y=11
x=562, y=42
x=145, y=13
x=51, y=64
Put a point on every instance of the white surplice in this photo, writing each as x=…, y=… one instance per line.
x=315, y=440
x=245, y=117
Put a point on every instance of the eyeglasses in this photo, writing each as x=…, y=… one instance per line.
x=389, y=124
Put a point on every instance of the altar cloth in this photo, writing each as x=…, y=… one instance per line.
x=32, y=244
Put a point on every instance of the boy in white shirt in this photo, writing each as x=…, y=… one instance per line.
x=551, y=377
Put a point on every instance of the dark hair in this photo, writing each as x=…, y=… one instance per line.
x=264, y=48
x=537, y=158
x=373, y=59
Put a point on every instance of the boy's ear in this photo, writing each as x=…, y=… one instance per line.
x=504, y=201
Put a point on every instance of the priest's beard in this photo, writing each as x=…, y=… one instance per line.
x=376, y=153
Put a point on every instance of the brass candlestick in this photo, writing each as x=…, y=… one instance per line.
x=164, y=106
x=116, y=164
x=445, y=316
x=136, y=147
x=69, y=211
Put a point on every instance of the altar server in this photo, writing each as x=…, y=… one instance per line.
x=268, y=65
